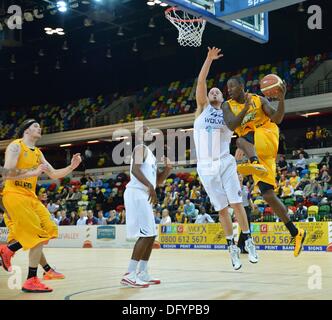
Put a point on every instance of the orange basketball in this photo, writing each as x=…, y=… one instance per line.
x=270, y=85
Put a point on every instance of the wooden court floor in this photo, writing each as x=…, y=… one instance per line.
x=185, y=274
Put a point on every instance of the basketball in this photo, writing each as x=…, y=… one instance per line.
x=270, y=85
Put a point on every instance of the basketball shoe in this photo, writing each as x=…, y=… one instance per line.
x=34, y=285
x=144, y=276
x=298, y=240
x=254, y=168
x=52, y=275
x=6, y=256
x=251, y=249
x=131, y=280
x=235, y=256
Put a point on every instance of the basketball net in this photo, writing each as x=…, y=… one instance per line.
x=190, y=27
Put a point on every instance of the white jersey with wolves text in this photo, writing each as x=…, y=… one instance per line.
x=211, y=135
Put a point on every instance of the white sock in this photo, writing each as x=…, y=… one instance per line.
x=246, y=232
x=132, y=266
x=143, y=265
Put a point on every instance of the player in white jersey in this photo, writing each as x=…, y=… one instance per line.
x=139, y=197
x=216, y=167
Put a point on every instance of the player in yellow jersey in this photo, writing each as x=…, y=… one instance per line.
x=30, y=222
x=255, y=122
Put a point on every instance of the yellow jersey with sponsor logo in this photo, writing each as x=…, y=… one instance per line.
x=28, y=159
x=254, y=118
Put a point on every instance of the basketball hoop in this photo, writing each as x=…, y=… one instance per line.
x=190, y=27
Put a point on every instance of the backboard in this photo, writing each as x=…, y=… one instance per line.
x=248, y=18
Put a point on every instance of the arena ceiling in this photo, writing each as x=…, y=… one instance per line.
x=92, y=57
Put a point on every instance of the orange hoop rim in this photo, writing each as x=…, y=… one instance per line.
x=181, y=20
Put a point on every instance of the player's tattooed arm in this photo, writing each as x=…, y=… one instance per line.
x=10, y=172
x=232, y=121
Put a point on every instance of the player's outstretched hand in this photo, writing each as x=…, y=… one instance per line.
x=75, y=161
x=214, y=53
x=282, y=91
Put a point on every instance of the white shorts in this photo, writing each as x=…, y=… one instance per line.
x=140, y=220
x=220, y=181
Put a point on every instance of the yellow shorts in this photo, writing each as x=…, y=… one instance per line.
x=28, y=221
x=266, y=144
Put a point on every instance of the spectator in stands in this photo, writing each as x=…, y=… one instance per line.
x=91, y=220
x=156, y=214
x=301, y=213
x=203, y=217
x=166, y=219
x=313, y=189
x=52, y=208
x=325, y=136
x=83, y=217
x=64, y=221
x=327, y=160
x=2, y=221
x=101, y=219
x=295, y=154
x=180, y=217
x=287, y=190
x=325, y=179
x=100, y=199
x=294, y=180
x=122, y=216
x=300, y=163
x=305, y=154
x=319, y=137
x=189, y=210
x=113, y=218
x=83, y=180
x=194, y=194
x=282, y=144
x=167, y=201
x=73, y=218
x=309, y=137
x=282, y=165
x=181, y=206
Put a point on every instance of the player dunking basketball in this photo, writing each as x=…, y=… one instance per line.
x=30, y=222
x=215, y=165
x=255, y=122
x=139, y=197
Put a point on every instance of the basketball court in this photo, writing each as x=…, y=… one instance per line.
x=95, y=274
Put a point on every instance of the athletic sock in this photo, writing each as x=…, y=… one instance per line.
x=291, y=228
x=143, y=265
x=246, y=234
x=32, y=272
x=14, y=246
x=254, y=159
x=230, y=240
x=46, y=267
x=132, y=266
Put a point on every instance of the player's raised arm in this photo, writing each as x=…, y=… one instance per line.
x=201, y=89
x=60, y=173
x=276, y=115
